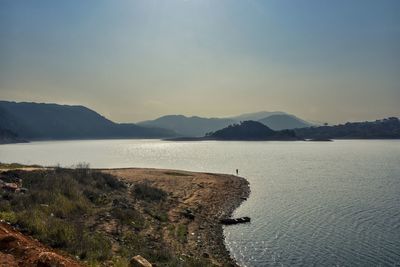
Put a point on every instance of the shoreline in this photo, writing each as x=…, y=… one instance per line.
x=209, y=196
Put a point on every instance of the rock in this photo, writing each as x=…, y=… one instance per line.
x=188, y=213
x=139, y=261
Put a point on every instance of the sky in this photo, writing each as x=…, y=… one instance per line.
x=133, y=60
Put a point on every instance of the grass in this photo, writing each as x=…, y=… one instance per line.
x=181, y=233
x=8, y=216
x=12, y=166
x=62, y=207
x=52, y=209
x=157, y=214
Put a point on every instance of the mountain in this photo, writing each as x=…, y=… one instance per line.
x=35, y=121
x=251, y=130
x=9, y=137
x=188, y=126
x=284, y=121
x=198, y=126
x=256, y=116
x=380, y=129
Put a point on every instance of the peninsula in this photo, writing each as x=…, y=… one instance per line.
x=167, y=217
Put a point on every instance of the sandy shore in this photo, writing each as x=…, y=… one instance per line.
x=209, y=197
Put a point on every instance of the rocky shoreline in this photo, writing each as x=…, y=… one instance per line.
x=232, y=205
x=207, y=197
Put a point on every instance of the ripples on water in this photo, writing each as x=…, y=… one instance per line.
x=321, y=204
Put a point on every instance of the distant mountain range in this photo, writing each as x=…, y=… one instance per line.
x=198, y=126
x=38, y=121
x=188, y=126
x=256, y=116
x=284, y=121
x=34, y=121
x=256, y=131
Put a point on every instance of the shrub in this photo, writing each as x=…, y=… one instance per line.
x=8, y=216
x=34, y=222
x=149, y=193
x=94, y=246
x=60, y=234
x=157, y=214
x=63, y=207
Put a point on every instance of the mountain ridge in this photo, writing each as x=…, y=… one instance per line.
x=195, y=126
x=188, y=126
x=284, y=121
x=43, y=121
x=388, y=128
x=256, y=116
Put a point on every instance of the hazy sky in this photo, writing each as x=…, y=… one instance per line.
x=132, y=60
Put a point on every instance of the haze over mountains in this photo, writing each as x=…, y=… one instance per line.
x=38, y=121
x=198, y=126
x=41, y=121
x=188, y=126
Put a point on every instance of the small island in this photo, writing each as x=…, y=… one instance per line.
x=245, y=131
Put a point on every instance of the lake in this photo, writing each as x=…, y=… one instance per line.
x=312, y=203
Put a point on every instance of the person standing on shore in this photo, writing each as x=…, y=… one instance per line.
x=237, y=171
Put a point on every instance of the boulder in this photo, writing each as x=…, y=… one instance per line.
x=139, y=261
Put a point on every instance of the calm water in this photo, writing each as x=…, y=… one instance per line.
x=321, y=204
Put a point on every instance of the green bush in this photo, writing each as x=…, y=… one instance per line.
x=127, y=215
x=148, y=193
x=8, y=216
x=62, y=206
